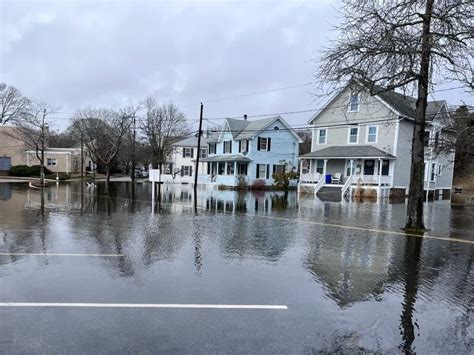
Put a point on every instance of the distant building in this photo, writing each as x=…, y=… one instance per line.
x=365, y=140
x=13, y=152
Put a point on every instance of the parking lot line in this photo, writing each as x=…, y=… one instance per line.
x=62, y=254
x=372, y=230
x=145, y=305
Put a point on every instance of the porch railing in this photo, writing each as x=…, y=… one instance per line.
x=372, y=179
x=346, y=186
x=318, y=186
x=310, y=177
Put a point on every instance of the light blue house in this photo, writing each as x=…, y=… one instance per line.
x=245, y=153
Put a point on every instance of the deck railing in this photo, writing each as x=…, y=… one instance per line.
x=310, y=177
x=318, y=186
x=346, y=186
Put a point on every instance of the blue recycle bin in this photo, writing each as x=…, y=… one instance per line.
x=328, y=178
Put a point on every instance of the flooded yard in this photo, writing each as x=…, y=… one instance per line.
x=344, y=276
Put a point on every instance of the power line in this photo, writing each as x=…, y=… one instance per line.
x=248, y=94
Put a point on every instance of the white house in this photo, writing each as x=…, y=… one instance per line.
x=363, y=139
x=244, y=152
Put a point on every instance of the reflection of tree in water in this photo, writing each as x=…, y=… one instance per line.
x=412, y=271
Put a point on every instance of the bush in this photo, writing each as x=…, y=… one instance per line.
x=282, y=180
x=27, y=171
x=258, y=185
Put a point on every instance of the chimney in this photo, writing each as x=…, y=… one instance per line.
x=245, y=117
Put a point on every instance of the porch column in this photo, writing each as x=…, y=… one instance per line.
x=324, y=169
x=235, y=168
x=380, y=176
x=68, y=156
x=301, y=166
x=351, y=172
x=225, y=168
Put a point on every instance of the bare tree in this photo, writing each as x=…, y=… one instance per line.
x=161, y=126
x=404, y=44
x=103, y=131
x=32, y=129
x=12, y=103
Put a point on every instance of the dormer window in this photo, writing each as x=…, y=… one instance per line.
x=354, y=103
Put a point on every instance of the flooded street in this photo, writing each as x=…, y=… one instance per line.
x=351, y=280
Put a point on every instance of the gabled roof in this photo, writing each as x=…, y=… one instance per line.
x=192, y=141
x=243, y=129
x=401, y=104
x=348, y=151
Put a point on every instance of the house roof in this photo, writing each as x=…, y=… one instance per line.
x=406, y=105
x=347, y=151
x=192, y=141
x=226, y=157
x=243, y=129
x=400, y=103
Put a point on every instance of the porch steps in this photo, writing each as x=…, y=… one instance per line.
x=330, y=193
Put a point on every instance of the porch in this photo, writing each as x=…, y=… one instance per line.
x=370, y=168
x=226, y=170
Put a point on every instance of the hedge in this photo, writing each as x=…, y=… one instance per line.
x=27, y=171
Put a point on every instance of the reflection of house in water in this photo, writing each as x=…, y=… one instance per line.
x=351, y=267
x=244, y=201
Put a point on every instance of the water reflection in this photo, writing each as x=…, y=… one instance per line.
x=252, y=245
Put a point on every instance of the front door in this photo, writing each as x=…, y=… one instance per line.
x=385, y=167
x=369, y=166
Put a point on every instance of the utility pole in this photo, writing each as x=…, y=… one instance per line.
x=197, y=158
x=133, y=150
x=43, y=137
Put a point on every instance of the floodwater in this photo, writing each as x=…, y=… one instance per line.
x=352, y=281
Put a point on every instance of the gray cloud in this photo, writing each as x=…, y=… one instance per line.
x=74, y=53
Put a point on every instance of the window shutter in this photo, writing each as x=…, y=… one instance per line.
x=247, y=142
x=208, y=168
x=190, y=171
x=274, y=168
x=182, y=171
x=268, y=170
x=268, y=143
x=184, y=152
x=240, y=146
x=223, y=147
x=258, y=171
x=258, y=144
x=230, y=147
x=192, y=152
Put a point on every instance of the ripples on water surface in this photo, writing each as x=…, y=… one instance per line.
x=349, y=290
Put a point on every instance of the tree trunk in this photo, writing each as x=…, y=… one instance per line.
x=415, y=195
x=107, y=179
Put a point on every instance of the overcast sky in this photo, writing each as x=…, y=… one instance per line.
x=104, y=53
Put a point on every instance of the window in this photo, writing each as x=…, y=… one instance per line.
x=372, y=134
x=320, y=166
x=354, y=103
x=203, y=153
x=440, y=170
x=426, y=139
x=188, y=152
x=385, y=167
x=212, y=148
x=436, y=140
x=227, y=147
x=369, y=166
x=186, y=171
x=242, y=168
x=263, y=143
x=221, y=168
x=230, y=168
x=244, y=146
x=353, y=134
x=262, y=171
x=322, y=135
x=279, y=168
x=51, y=162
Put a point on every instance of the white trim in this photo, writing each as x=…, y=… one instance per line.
x=397, y=133
x=317, y=135
x=349, y=134
x=376, y=133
